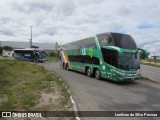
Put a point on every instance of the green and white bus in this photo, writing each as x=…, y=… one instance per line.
x=112, y=56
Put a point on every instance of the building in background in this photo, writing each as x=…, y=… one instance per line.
x=13, y=44
x=8, y=53
x=155, y=58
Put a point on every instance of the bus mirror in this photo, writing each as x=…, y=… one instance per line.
x=144, y=53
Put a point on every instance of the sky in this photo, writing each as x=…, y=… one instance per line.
x=64, y=21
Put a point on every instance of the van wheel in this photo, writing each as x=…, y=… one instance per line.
x=97, y=74
x=89, y=72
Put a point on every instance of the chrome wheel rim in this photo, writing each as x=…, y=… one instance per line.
x=97, y=74
x=88, y=72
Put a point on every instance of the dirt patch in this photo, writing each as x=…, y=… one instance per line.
x=46, y=101
x=3, y=98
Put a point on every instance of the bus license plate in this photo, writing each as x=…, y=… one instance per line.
x=132, y=79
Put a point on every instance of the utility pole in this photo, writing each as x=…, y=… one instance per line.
x=31, y=37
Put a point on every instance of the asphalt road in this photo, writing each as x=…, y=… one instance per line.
x=91, y=94
x=151, y=72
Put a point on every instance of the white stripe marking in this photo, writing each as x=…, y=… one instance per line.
x=74, y=106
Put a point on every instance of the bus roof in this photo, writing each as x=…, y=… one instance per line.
x=94, y=36
x=29, y=49
x=112, y=33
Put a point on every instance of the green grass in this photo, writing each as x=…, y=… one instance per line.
x=52, y=59
x=146, y=62
x=21, y=83
x=148, y=79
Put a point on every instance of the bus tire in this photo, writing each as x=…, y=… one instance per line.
x=88, y=72
x=67, y=67
x=97, y=74
x=63, y=66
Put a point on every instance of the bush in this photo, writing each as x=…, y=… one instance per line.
x=142, y=55
x=7, y=48
x=53, y=54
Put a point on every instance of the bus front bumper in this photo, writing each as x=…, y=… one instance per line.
x=42, y=60
x=128, y=78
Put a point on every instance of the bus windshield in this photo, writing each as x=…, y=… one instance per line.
x=129, y=61
x=42, y=54
x=124, y=41
x=115, y=39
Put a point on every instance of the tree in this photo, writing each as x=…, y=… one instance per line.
x=7, y=48
x=142, y=55
x=53, y=54
x=1, y=49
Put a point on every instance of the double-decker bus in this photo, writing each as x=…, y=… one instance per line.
x=30, y=54
x=112, y=56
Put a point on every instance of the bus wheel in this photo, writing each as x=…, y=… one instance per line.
x=63, y=66
x=97, y=74
x=89, y=72
x=67, y=67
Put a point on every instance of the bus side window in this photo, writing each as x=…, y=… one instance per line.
x=110, y=57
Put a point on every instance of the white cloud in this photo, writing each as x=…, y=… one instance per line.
x=68, y=20
x=148, y=39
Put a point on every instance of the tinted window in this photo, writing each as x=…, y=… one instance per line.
x=84, y=59
x=42, y=54
x=129, y=61
x=25, y=53
x=116, y=39
x=85, y=43
x=110, y=56
x=124, y=41
x=105, y=40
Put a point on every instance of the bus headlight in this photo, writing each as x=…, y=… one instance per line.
x=139, y=71
x=122, y=73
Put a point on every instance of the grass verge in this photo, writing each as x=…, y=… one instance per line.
x=148, y=79
x=52, y=59
x=144, y=62
x=22, y=84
